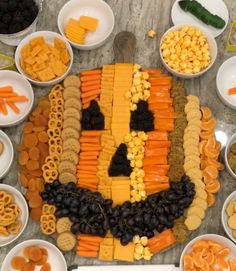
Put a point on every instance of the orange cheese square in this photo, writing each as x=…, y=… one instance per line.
x=88, y=23
x=106, y=252
x=119, y=196
x=124, y=253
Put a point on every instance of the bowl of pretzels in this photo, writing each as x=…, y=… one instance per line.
x=14, y=214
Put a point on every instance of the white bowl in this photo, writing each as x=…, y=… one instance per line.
x=212, y=47
x=218, y=7
x=49, y=38
x=22, y=87
x=225, y=79
x=224, y=216
x=55, y=257
x=16, y=38
x=212, y=237
x=7, y=156
x=227, y=150
x=21, y=202
x=95, y=8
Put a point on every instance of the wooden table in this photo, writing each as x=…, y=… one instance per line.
x=139, y=16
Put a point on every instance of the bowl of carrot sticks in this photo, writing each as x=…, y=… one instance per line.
x=16, y=98
x=226, y=82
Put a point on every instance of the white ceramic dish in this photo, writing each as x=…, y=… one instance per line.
x=212, y=237
x=218, y=7
x=95, y=8
x=227, y=150
x=224, y=216
x=49, y=38
x=21, y=202
x=22, y=87
x=55, y=257
x=7, y=156
x=212, y=47
x=225, y=79
x=15, y=39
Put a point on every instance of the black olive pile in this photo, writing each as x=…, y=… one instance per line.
x=16, y=15
x=142, y=119
x=92, y=214
x=120, y=165
x=92, y=117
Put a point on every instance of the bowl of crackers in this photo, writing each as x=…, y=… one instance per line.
x=228, y=216
x=34, y=255
x=45, y=58
x=230, y=156
x=188, y=51
x=14, y=214
x=6, y=154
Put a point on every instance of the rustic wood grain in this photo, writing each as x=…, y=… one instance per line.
x=138, y=16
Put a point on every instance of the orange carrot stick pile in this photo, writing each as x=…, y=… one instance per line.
x=157, y=146
x=90, y=143
x=8, y=97
x=161, y=241
x=88, y=245
x=90, y=86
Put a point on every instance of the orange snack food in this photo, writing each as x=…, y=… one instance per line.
x=208, y=255
x=18, y=262
x=44, y=61
x=35, y=254
x=232, y=91
x=29, y=266
x=46, y=267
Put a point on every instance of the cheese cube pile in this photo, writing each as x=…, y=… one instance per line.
x=76, y=30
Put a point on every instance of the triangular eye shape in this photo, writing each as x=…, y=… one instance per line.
x=120, y=165
x=92, y=117
x=142, y=119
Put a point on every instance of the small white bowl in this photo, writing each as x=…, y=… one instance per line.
x=55, y=257
x=21, y=202
x=95, y=8
x=49, y=38
x=227, y=150
x=7, y=156
x=212, y=237
x=22, y=87
x=224, y=216
x=212, y=47
x=226, y=79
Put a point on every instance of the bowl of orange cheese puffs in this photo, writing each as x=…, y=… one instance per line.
x=44, y=58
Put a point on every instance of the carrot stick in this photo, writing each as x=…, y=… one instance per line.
x=232, y=91
x=150, y=167
x=157, y=135
x=85, y=105
x=155, y=89
x=95, y=140
x=85, y=89
x=13, y=107
x=86, y=101
x=165, y=115
x=17, y=99
x=160, y=100
x=3, y=107
x=88, y=168
x=91, y=133
x=91, y=93
x=156, y=171
x=6, y=89
x=87, y=78
x=89, y=153
x=156, y=152
x=155, y=178
x=88, y=162
x=155, y=160
x=89, y=157
x=90, y=238
x=160, y=94
x=157, y=105
x=84, y=253
x=157, y=144
x=161, y=81
x=7, y=94
x=84, y=246
x=91, y=72
x=91, y=83
x=161, y=241
x=93, y=188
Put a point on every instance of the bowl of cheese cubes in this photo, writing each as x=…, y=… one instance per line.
x=86, y=24
x=44, y=58
x=188, y=51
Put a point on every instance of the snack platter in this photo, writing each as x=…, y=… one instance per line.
x=120, y=162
